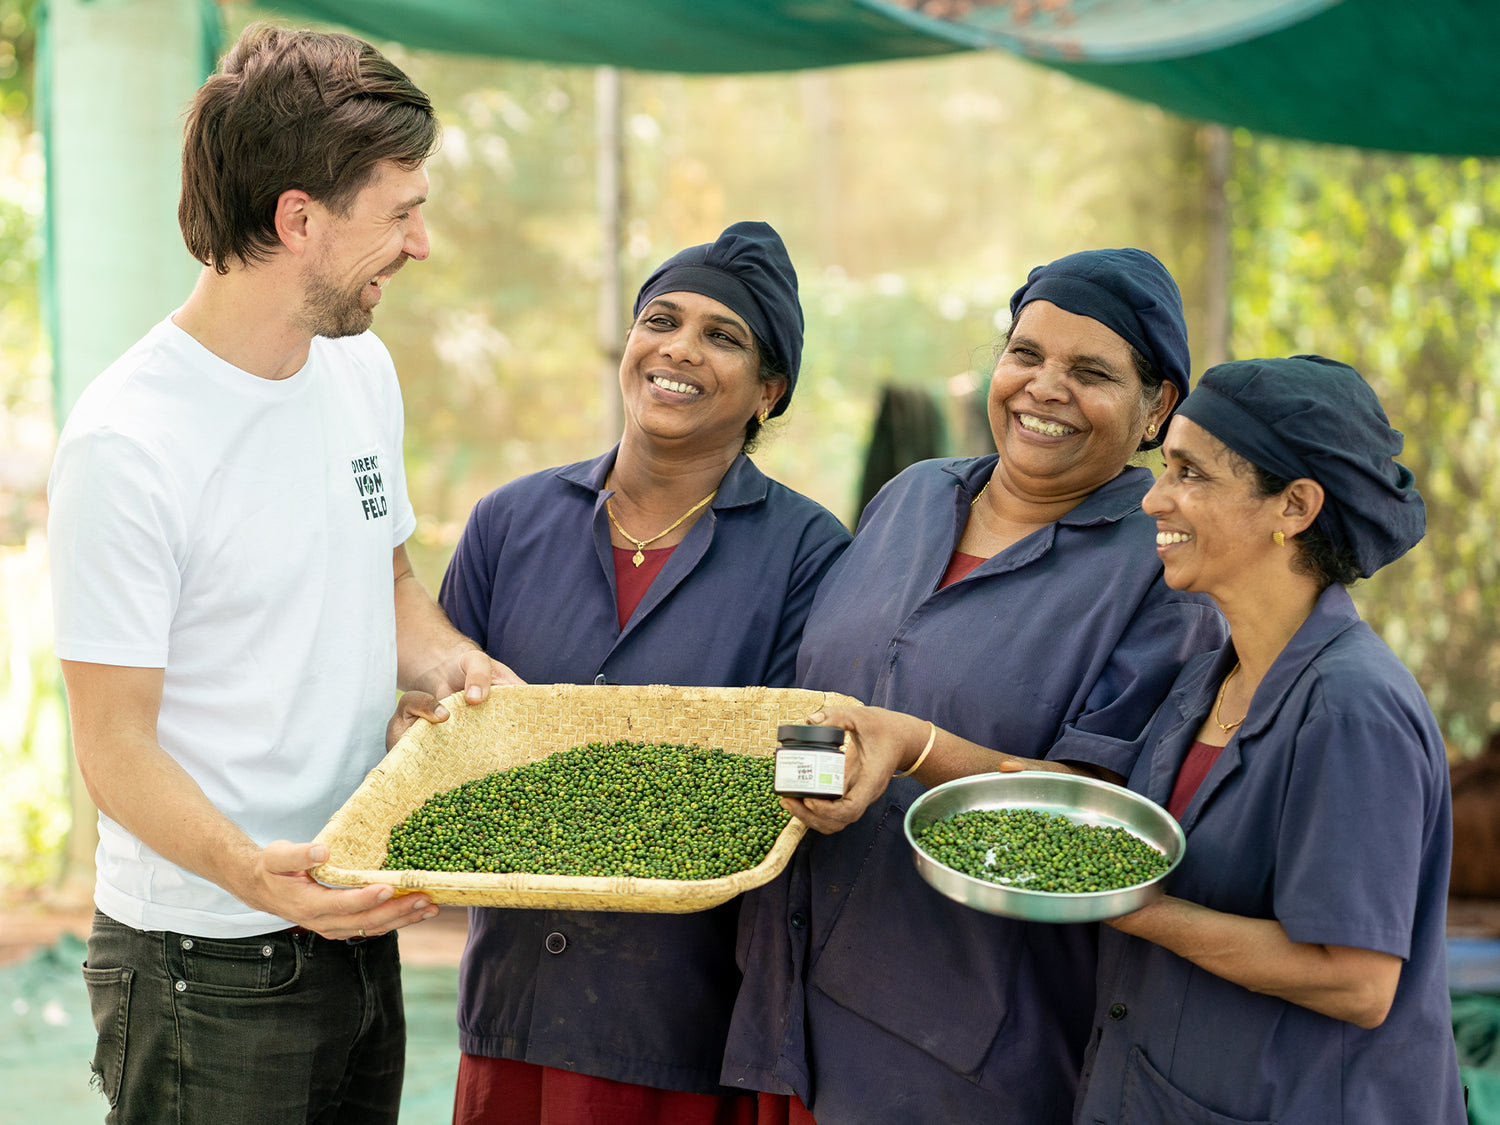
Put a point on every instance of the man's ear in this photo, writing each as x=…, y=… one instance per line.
x=293, y=219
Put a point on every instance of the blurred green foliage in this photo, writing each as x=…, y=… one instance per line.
x=17, y=51
x=1392, y=263
x=34, y=812
x=34, y=815
x=25, y=393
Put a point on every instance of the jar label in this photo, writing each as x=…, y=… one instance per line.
x=810, y=773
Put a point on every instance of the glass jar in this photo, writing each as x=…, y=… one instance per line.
x=809, y=761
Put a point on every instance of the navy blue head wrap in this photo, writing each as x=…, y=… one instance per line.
x=1129, y=292
x=746, y=269
x=1313, y=417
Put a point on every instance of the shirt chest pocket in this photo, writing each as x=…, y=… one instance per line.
x=1148, y=1098
x=917, y=965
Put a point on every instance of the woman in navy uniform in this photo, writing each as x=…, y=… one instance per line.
x=669, y=559
x=1296, y=971
x=1012, y=600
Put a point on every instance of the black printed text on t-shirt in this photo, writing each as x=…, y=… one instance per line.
x=371, y=487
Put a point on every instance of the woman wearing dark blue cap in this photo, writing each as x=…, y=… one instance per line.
x=1012, y=600
x=1297, y=972
x=669, y=559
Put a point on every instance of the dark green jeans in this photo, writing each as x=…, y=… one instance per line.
x=269, y=1030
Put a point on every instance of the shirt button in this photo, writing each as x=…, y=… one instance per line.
x=556, y=942
x=799, y=921
x=1117, y=1011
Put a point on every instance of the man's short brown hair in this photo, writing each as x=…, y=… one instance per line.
x=288, y=110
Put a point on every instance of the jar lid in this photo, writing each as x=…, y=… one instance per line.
x=800, y=732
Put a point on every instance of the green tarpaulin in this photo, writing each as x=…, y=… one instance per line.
x=1390, y=74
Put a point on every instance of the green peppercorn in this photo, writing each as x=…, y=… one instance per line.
x=1041, y=851
x=623, y=808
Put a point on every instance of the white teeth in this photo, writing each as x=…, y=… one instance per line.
x=679, y=388
x=1048, y=429
x=1167, y=538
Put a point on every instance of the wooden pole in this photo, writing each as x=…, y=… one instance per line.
x=610, y=193
x=1218, y=160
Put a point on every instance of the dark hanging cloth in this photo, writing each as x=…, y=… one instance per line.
x=908, y=428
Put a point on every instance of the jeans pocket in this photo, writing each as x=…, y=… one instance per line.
x=109, y=1005
x=233, y=966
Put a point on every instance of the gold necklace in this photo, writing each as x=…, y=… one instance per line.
x=1219, y=702
x=640, y=544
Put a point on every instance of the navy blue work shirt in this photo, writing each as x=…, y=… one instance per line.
x=867, y=993
x=1328, y=811
x=638, y=998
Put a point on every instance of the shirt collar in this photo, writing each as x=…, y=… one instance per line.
x=1109, y=503
x=1333, y=615
x=742, y=484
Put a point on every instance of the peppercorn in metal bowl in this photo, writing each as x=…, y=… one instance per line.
x=1081, y=800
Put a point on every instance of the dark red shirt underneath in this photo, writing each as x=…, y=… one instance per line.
x=958, y=567
x=631, y=581
x=1200, y=759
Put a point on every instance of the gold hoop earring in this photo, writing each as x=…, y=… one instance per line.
x=1278, y=538
x=762, y=416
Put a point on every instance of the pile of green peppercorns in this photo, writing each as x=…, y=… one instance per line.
x=1034, y=850
x=605, y=809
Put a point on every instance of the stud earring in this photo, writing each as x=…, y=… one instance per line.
x=1151, y=431
x=1278, y=538
x=761, y=418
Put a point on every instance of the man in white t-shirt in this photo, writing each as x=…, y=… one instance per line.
x=235, y=609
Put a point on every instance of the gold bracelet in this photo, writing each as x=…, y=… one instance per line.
x=922, y=757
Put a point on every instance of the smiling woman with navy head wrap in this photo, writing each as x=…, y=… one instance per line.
x=1296, y=972
x=669, y=559
x=1315, y=418
x=1011, y=600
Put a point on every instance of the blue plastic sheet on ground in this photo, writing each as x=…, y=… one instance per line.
x=46, y=1039
x=1474, y=982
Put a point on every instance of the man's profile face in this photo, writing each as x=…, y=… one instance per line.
x=357, y=253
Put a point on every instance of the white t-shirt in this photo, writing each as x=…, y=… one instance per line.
x=236, y=532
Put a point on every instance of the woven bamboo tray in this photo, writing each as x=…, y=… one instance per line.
x=520, y=724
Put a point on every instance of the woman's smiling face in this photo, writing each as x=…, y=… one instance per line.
x=691, y=368
x=1067, y=406
x=1212, y=523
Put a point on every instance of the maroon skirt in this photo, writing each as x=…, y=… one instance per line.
x=782, y=1109
x=509, y=1092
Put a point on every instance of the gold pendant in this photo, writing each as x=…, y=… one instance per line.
x=638, y=557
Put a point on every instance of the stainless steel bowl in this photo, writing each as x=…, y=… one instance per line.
x=1082, y=800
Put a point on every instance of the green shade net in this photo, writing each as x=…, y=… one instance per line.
x=690, y=36
x=1389, y=74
